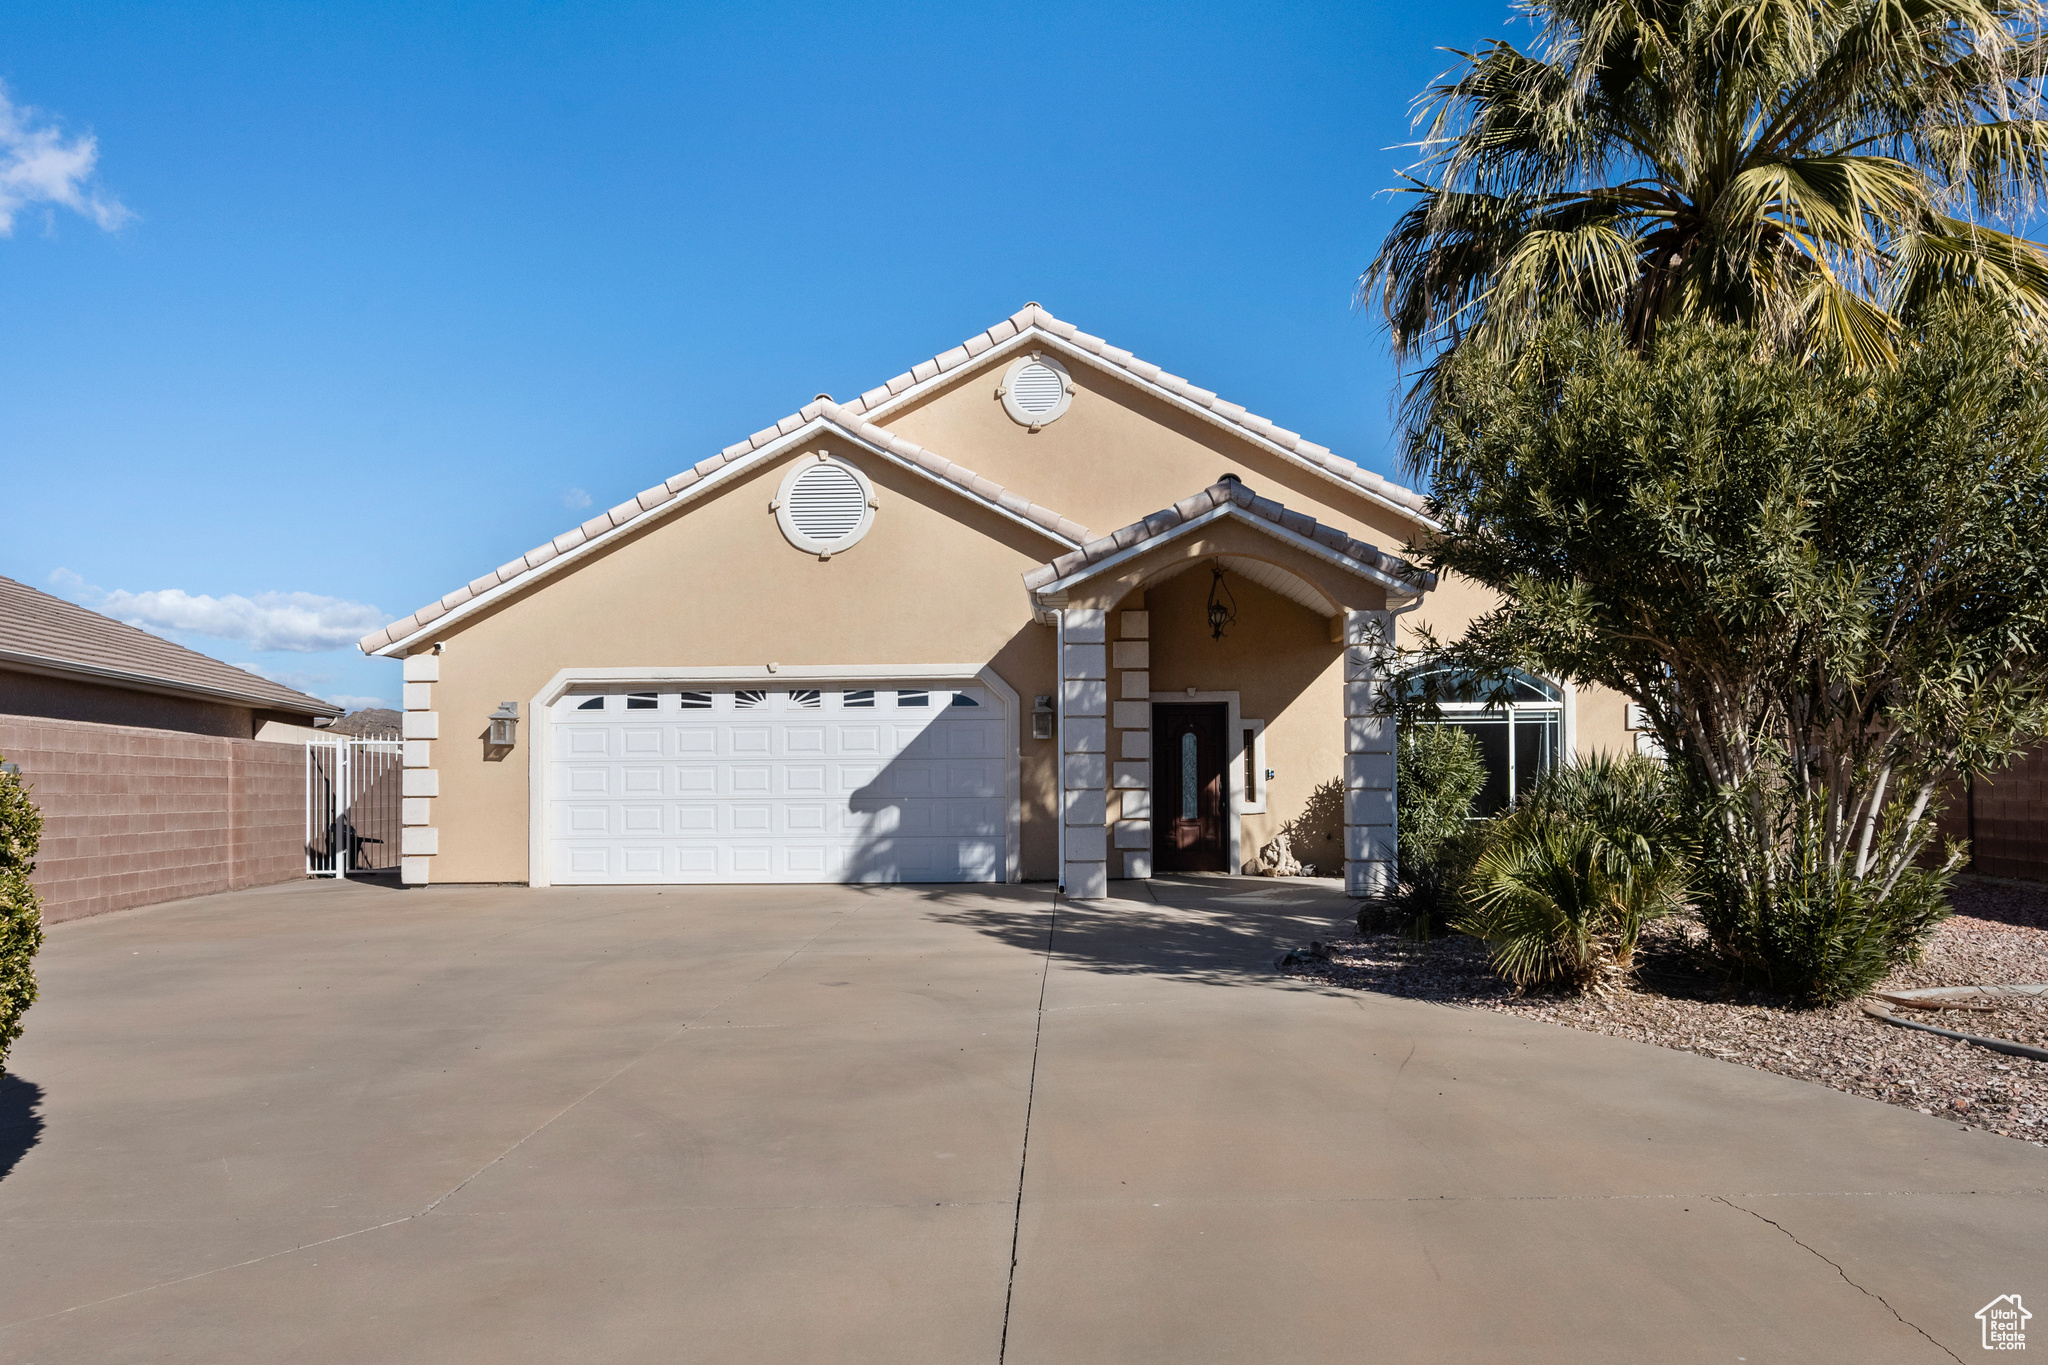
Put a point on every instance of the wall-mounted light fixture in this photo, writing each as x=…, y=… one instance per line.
x=1041, y=717
x=1222, y=605
x=504, y=726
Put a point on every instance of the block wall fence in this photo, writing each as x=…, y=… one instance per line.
x=134, y=816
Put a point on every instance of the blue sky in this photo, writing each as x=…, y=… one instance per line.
x=313, y=313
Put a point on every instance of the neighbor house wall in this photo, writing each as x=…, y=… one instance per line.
x=134, y=816
x=33, y=694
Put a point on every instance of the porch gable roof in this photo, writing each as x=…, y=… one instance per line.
x=1227, y=498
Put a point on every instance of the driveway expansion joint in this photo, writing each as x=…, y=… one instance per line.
x=1024, y=1147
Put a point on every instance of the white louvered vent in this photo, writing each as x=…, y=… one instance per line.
x=1038, y=388
x=826, y=503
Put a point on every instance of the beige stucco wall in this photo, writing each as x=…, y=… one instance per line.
x=1280, y=661
x=1120, y=454
x=937, y=580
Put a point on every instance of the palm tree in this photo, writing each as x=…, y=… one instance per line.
x=1824, y=169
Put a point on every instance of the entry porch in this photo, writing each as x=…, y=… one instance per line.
x=1221, y=669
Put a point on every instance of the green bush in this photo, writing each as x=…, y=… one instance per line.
x=1817, y=935
x=1438, y=773
x=21, y=918
x=1568, y=879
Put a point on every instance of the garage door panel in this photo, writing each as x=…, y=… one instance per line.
x=783, y=786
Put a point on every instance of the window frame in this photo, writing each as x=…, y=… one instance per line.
x=1564, y=707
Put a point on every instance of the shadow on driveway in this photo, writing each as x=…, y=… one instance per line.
x=1218, y=930
x=21, y=1127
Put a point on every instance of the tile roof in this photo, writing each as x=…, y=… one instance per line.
x=44, y=634
x=856, y=417
x=1067, y=337
x=1227, y=491
x=810, y=418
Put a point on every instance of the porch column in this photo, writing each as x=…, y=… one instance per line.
x=1131, y=770
x=1084, y=766
x=1369, y=856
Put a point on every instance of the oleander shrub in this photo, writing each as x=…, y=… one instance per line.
x=21, y=919
x=1438, y=773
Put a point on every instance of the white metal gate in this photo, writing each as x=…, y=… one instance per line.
x=352, y=805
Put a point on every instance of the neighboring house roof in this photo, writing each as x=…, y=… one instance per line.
x=1226, y=498
x=47, y=635
x=1028, y=327
x=664, y=498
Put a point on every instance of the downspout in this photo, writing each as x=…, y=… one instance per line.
x=1059, y=758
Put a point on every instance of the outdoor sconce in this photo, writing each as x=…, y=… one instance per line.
x=1041, y=717
x=1222, y=605
x=504, y=726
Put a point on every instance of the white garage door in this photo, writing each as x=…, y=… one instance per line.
x=824, y=784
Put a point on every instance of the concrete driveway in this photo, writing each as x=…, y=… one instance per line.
x=342, y=1123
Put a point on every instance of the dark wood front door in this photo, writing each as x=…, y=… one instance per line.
x=1190, y=799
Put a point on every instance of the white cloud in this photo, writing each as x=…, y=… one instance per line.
x=294, y=622
x=575, y=498
x=39, y=165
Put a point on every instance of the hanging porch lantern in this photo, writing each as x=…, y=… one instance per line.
x=1222, y=605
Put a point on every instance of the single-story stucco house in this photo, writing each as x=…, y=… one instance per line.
x=1035, y=609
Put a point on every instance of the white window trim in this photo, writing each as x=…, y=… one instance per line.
x=821, y=548
x=1232, y=763
x=1255, y=799
x=541, y=745
x=1007, y=391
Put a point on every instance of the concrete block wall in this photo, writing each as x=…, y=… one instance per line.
x=1369, y=856
x=1131, y=768
x=2008, y=835
x=134, y=816
x=420, y=728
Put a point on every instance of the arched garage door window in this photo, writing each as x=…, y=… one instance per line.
x=1518, y=722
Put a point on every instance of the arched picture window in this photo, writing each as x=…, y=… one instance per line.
x=1517, y=721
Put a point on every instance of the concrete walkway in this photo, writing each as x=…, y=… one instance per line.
x=341, y=1123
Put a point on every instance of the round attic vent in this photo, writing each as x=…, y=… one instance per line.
x=1036, y=390
x=825, y=505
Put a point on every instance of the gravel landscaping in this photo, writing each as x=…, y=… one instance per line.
x=1999, y=936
